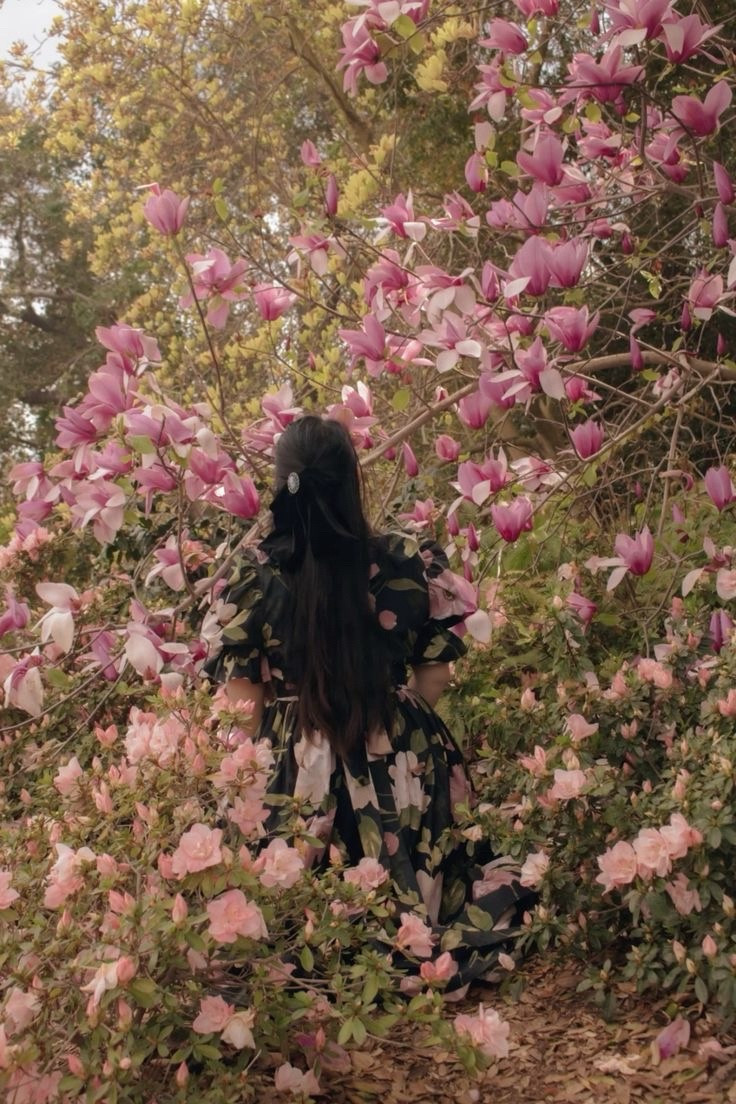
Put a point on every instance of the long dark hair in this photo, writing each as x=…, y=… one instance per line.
x=321, y=540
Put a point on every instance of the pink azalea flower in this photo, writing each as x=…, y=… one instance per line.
x=568, y=784
x=578, y=728
x=165, y=210
x=441, y=969
x=290, y=1079
x=510, y=520
x=368, y=874
x=487, y=1030
x=7, y=895
x=66, y=778
x=618, y=866
x=534, y=868
x=20, y=1010
x=685, y=899
x=414, y=936
x=232, y=915
x=679, y=836
x=214, y=1014
x=238, y=1031
x=280, y=865
x=199, y=848
x=652, y=854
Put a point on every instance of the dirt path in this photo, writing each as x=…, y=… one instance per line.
x=562, y=1050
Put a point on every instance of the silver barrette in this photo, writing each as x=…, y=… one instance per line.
x=292, y=482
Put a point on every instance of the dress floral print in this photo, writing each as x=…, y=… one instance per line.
x=393, y=799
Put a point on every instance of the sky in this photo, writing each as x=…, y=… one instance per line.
x=27, y=20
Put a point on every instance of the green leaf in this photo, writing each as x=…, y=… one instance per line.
x=701, y=990
x=221, y=208
x=401, y=398
x=714, y=838
x=479, y=918
x=142, y=444
x=307, y=959
x=70, y=1084
x=206, y=1050
x=359, y=1031
x=145, y=992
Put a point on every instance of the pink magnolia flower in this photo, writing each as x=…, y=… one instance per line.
x=309, y=154
x=603, y=80
x=704, y=295
x=652, y=854
x=16, y=613
x=400, y=218
x=534, y=868
x=213, y=1015
x=199, y=848
x=583, y=608
x=618, y=866
x=636, y=552
x=510, y=520
x=368, y=874
x=411, y=466
x=101, y=502
x=685, y=899
x=473, y=410
x=477, y=481
x=568, y=784
x=566, y=261
x=487, y=1030
x=272, y=300
x=232, y=915
x=675, y=1036
x=414, y=936
x=238, y=496
x=128, y=342
x=446, y=448
x=719, y=487
x=720, y=629
x=531, y=263
x=217, y=280
x=165, y=210
x=7, y=895
x=587, y=438
x=359, y=54
x=280, y=865
x=368, y=343
x=545, y=161
x=702, y=118
x=723, y=183
x=505, y=36
x=644, y=16
x=571, y=326
x=476, y=172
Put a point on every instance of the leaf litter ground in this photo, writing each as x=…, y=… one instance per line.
x=561, y=1049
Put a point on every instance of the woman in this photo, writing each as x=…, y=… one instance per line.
x=335, y=646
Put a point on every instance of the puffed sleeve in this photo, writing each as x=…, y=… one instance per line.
x=451, y=600
x=242, y=605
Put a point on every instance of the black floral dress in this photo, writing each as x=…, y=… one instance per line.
x=394, y=799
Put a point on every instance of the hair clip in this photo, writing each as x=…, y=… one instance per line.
x=292, y=482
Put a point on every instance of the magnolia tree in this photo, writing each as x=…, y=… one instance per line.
x=573, y=293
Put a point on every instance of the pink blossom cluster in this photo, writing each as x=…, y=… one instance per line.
x=651, y=854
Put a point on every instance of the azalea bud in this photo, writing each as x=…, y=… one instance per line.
x=74, y=1063
x=690, y=966
x=126, y=970
x=709, y=946
x=727, y=905
x=182, y=1075
x=179, y=910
